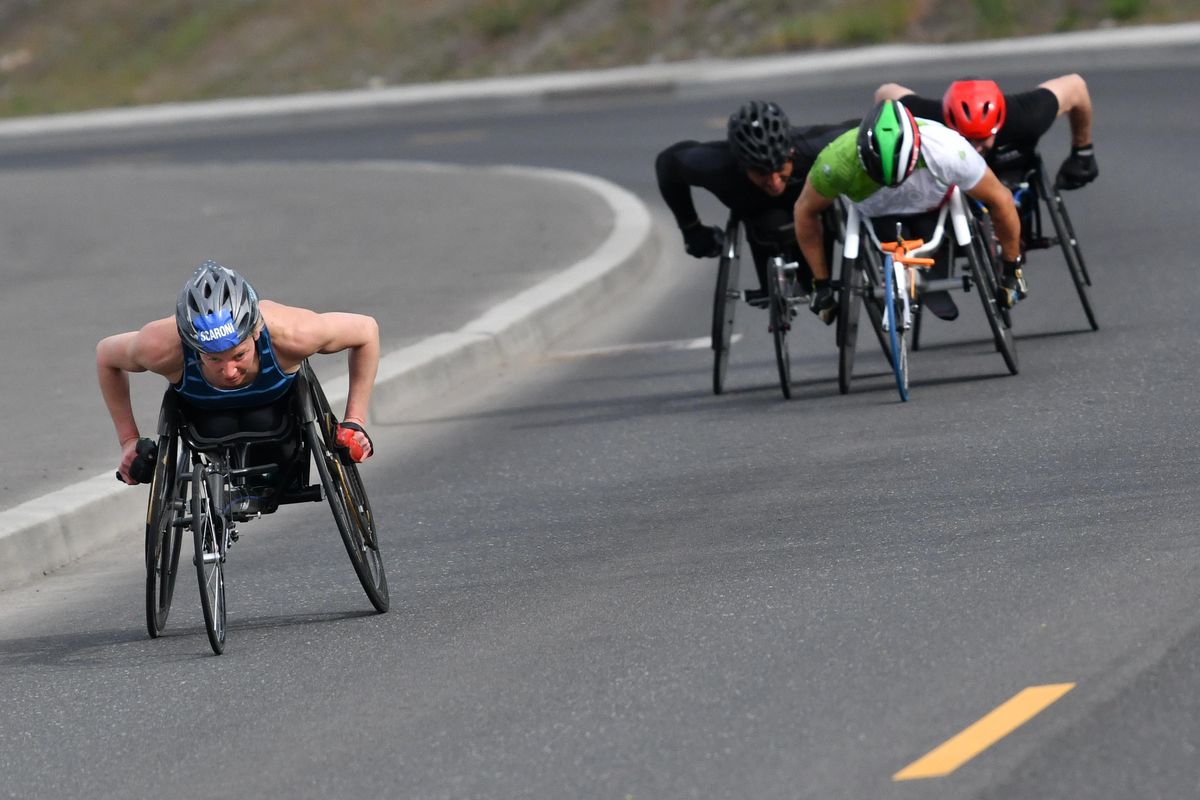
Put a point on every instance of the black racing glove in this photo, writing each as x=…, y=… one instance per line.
x=141, y=469
x=703, y=241
x=1078, y=169
x=823, y=302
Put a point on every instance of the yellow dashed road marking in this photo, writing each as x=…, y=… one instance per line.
x=994, y=726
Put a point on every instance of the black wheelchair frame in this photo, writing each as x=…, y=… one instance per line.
x=1030, y=180
x=205, y=485
x=786, y=293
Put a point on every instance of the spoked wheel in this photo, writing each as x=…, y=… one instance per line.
x=725, y=299
x=983, y=269
x=893, y=309
x=164, y=534
x=347, y=500
x=991, y=249
x=871, y=261
x=849, y=302
x=208, y=533
x=781, y=322
x=1070, y=245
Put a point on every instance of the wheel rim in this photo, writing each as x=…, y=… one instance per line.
x=898, y=356
x=209, y=567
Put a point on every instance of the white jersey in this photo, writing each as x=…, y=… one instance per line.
x=947, y=159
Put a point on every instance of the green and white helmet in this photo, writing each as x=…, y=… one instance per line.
x=889, y=143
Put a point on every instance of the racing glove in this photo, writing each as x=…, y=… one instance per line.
x=823, y=301
x=703, y=241
x=1079, y=168
x=348, y=447
x=141, y=469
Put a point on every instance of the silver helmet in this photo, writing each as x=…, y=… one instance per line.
x=217, y=309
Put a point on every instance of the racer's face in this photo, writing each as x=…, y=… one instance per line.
x=232, y=368
x=773, y=183
x=983, y=146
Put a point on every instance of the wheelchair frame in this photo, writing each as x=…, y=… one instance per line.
x=869, y=275
x=202, y=484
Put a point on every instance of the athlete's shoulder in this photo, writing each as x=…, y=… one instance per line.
x=704, y=156
x=923, y=107
x=158, y=348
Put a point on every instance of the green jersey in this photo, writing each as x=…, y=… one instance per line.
x=837, y=170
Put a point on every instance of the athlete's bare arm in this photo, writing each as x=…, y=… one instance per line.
x=154, y=348
x=1074, y=101
x=298, y=333
x=999, y=201
x=810, y=234
x=892, y=91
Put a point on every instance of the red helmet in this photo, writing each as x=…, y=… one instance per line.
x=974, y=108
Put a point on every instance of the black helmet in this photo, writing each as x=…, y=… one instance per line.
x=889, y=143
x=760, y=136
x=217, y=309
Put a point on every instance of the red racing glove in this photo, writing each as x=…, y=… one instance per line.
x=349, y=446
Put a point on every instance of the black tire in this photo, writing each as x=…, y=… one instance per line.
x=898, y=335
x=850, y=301
x=781, y=323
x=987, y=234
x=1070, y=244
x=871, y=262
x=347, y=500
x=163, y=533
x=208, y=533
x=983, y=272
x=725, y=305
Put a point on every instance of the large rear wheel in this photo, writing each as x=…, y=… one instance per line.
x=725, y=298
x=1069, y=243
x=983, y=270
x=781, y=321
x=850, y=301
x=347, y=500
x=164, y=534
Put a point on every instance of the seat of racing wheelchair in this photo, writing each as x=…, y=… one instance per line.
x=266, y=437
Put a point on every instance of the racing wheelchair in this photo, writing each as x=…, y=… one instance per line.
x=788, y=285
x=886, y=279
x=208, y=482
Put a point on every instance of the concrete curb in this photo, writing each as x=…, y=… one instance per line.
x=51, y=531
x=659, y=77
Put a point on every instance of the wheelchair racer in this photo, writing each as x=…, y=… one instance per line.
x=895, y=165
x=757, y=172
x=1006, y=128
x=233, y=359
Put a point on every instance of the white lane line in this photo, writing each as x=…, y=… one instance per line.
x=702, y=343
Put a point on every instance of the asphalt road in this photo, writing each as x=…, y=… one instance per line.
x=607, y=582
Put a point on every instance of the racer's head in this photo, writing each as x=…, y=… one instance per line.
x=975, y=109
x=889, y=143
x=217, y=316
x=760, y=138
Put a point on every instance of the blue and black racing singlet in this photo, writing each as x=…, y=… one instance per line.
x=271, y=384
